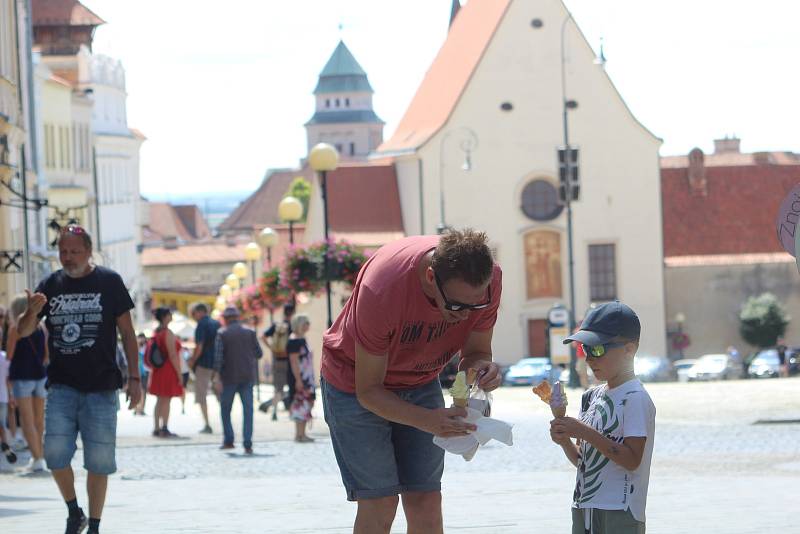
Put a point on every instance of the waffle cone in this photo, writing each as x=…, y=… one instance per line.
x=461, y=403
x=559, y=411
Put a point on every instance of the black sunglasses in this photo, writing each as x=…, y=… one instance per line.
x=451, y=305
x=598, y=351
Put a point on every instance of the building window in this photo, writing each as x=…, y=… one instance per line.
x=540, y=201
x=352, y=149
x=347, y=102
x=338, y=148
x=327, y=102
x=337, y=102
x=602, y=272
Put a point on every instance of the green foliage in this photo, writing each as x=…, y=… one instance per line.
x=300, y=189
x=763, y=320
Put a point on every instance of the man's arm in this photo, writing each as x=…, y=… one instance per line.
x=477, y=353
x=373, y=395
x=627, y=454
x=128, y=335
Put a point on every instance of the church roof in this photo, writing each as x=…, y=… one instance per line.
x=342, y=73
x=345, y=117
x=63, y=13
x=449, y=75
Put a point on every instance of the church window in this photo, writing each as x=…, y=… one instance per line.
x=540, y=201
x=506, y=106
x=602, y=273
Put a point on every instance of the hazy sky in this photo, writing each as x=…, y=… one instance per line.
x=222, y=89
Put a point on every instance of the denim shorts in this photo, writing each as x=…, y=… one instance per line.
x=3, y=417
x=29, y=388
x=378, y=458
x=93, y=415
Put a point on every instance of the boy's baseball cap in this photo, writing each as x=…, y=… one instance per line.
x=606, y=322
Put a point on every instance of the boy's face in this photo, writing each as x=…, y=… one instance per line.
x=615, y=361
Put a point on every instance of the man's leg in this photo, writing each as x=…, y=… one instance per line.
x=202, y=378
x=375, y=516
x=228, y=391
x=423, y=512
x=65, y=480
x=96, y=486
x=246, y=396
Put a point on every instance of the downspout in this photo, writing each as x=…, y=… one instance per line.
x=23, y=162
x=98, y=241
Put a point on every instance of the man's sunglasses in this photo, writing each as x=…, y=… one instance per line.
x=597, y=351
x=454, y=306
x=73, y=229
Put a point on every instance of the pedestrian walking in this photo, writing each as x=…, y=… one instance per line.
x=202, y=360
x=235, y=360
x=614, y=430
x=275, y=338
x=6, y=398
x=416, y=302
x=144, y=372
x=28, y=375
x=84, y=305
x=165, y=381
x=301, y=360
x=783, y=358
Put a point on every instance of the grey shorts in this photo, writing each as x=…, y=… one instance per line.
x=202, y=379
x=606, y=522
x=378, y=458
x=280, y=373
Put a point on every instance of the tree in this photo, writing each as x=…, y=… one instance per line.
x=301, y=190
x=763, y=320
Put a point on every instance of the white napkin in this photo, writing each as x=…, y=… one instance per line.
x=487, y=430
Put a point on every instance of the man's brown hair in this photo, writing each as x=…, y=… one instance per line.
x=463, y=254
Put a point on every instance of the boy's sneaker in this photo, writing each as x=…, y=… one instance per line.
x=77, y=524
x=9, y=454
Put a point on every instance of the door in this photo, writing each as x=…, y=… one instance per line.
x=537, y=337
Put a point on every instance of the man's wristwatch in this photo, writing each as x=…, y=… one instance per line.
x=134, y=378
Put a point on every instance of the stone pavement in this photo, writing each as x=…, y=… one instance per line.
x=713, y=470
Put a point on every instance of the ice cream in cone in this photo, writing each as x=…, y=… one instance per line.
x=460, y=391
x=558, y=400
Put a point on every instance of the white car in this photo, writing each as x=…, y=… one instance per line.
x=715, y=367
x=682, y=367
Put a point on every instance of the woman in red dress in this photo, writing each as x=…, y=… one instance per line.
x=165, y=381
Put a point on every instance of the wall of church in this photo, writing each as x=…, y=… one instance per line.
x=351, y=140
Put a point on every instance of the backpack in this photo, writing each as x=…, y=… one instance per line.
x=281, y=338
x=153, y=356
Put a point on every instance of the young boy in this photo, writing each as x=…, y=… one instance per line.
x=614, y=431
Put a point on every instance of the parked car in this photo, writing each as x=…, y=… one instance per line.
x=529, y=371
x=766, y=363
x=715, y=367
x=650, y=368
x=682, y=368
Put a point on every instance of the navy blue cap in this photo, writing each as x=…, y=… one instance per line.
x=606, y=322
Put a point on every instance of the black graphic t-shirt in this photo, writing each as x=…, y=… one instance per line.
x=82, y=321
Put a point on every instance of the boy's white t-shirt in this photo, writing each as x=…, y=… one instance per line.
x=4, y=365
x=622, y=412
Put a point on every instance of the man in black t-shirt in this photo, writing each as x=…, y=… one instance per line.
x=84, y=306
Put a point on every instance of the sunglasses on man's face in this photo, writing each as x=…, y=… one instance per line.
x=597, y=351
x=455, y=306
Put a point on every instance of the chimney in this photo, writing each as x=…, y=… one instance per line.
x=170, y=242
x=762, y=158
x=697, y=173
x=727, y=145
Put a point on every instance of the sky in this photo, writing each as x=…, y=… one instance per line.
x=222, y=89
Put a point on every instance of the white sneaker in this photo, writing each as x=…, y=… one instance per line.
x=37, y=466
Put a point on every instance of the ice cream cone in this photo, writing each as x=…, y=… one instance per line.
x=460, y=391
x=559, y=411
x=558, y=400
x=461, y=403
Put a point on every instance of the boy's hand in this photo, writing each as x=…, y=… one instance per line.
x=569, y=426
x=558, y=437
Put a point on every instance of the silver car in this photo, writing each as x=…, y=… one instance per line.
x=715, y=367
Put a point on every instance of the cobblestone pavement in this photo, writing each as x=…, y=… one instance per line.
x=714, y=469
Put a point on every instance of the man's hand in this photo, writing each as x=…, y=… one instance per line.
x=36, y=302
x=134, y=393
x=569, y=426
x=446, y=423
x=559, y=436
x=489, y=373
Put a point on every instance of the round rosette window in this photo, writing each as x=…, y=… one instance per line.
x=540, y=201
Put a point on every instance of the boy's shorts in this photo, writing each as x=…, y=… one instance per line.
x=606, y=522
x=94, y=415
x=378, y=458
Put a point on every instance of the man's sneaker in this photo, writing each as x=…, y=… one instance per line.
x=37, y=465
x=248, y=451
x=226, y=446
x=206, y=430
x=9, y=454
x=77, y=524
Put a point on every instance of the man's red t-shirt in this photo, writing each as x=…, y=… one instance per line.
x=388, y=313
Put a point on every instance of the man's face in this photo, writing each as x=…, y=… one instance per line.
x=73, y=255
x=457, y=291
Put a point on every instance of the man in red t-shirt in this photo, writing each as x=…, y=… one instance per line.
x=416, y=303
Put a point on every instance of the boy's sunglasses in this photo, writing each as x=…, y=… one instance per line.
x=597, y=351
x=454, y=306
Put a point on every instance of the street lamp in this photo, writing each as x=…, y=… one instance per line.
x=469, y=142
x=291, y=210
x=268, y=238
x=225, y=291
x=324, y=158
x=252, y=253
x=239, y=270
x=232, y=281
x=680, y=318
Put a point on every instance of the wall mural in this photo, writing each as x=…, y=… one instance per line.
x=543, y=264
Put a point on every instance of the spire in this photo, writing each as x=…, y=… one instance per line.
x=342, y=73
x=454, y=11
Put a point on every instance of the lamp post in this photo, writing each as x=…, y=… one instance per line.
x=469, y=142
x=252, y=253
x=232, y=281
x=268, y=238
x=225, y=291
x=239, y=270
x=324, y=158
x=290, y=210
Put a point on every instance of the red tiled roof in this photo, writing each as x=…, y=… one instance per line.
x=734, y=159
x=63, y=12
x=728, y=259
x=364, y=198
x=166, y=222
x=448, y=76
x=203, y=253
x=192, y=219
x=261, y=208
x=737, y=216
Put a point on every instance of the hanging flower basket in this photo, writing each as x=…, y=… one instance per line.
x=301, y=272
x=273, y=295
x=304, y=268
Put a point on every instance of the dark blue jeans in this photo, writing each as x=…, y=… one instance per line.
x=245, y=391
